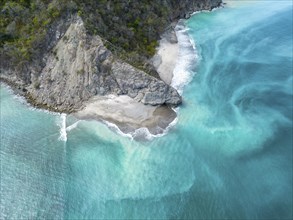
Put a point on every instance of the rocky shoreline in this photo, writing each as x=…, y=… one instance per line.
x=79, y=71
x=80, y=67
x=130, y=113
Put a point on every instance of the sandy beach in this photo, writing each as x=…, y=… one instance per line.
x=166, y=56
x=127, y=113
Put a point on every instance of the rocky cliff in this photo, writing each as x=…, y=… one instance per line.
x=80, y=66
x=72, y=64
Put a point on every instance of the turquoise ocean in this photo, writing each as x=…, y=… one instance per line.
x=228, y=155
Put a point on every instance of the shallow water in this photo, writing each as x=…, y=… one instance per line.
x=228, y=156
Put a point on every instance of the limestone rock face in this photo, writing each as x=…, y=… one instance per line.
x=80, y=66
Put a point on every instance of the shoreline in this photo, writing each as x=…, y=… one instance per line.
x=20, y=97
x=174, y=56
x=129, y=115
x=132, y=118
x=167, y=54
x=175, y=60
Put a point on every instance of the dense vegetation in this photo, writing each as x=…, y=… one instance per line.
x=24, y=25
x=133, y=26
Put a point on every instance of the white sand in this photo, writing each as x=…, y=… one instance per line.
x=165, y=59
x=127, y=113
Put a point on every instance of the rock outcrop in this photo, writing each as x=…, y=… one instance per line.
x=69, y=64
x=80, y=66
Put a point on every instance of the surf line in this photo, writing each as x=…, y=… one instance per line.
x=62, y=125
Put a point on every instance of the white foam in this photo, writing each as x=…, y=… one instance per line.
x=188, y=59
x=142, y=133
x=62, y=125
x=214, y=9
x=116, y=129
x=74, y=125
x=145, y=133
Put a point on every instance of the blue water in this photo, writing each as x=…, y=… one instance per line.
x=229, y=155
